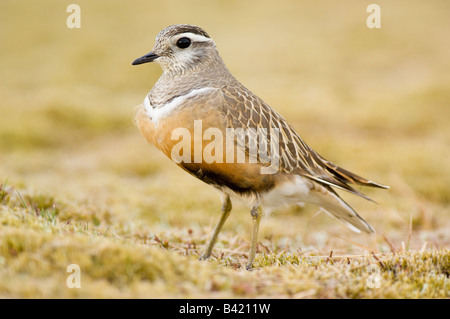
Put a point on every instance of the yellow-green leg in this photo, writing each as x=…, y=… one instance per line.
x=256, y=216
x=226, y=209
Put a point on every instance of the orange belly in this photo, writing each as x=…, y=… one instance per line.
x=241, y=176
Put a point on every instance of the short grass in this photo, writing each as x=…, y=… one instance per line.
x=79, y=185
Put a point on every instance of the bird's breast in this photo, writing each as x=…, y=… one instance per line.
x=156, y=111
x=196, y=139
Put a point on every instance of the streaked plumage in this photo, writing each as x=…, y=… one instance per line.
x=196, y=85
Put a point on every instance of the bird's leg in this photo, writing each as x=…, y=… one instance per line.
x=226, y=209
x=256, y=216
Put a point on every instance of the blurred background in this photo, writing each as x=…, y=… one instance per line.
x=374, y=101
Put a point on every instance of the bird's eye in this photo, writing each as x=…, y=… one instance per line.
x=183, y=43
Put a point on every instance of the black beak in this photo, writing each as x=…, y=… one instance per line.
x=150, y=57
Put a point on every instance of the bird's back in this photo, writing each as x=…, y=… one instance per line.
x=243, y=109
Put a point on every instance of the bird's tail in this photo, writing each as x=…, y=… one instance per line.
x=335, y=206
x=336, y=176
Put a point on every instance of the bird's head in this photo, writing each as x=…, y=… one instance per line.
x=180, y=49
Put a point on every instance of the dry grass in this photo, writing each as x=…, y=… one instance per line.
x=78, y=184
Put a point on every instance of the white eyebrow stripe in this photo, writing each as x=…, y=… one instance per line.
x=194, y=37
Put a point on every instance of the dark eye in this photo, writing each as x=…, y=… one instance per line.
x=183, y=43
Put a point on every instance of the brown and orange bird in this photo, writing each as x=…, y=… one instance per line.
x=253, y=152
